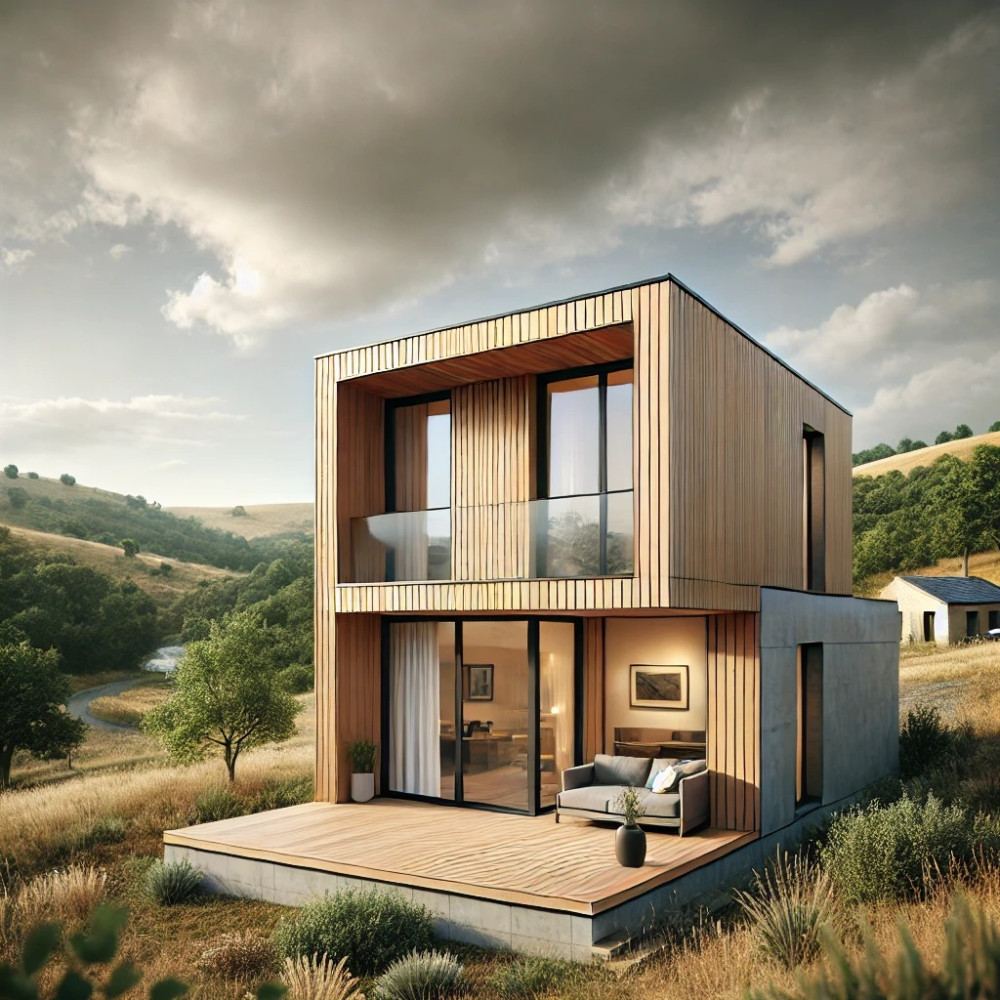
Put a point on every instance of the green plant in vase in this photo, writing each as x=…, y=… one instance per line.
x=362, y=753
x=630, y=838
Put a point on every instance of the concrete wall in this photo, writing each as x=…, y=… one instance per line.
x=657, y=641
x=860, y=695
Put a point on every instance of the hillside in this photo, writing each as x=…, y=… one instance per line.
x=925, y=456
x=83, y=512
x=145, y=570
x=261, y=520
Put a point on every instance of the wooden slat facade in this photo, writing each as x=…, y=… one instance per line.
x=734, y=721
x=593, y=687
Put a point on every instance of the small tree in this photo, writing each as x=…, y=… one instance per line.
x=943, y=438
x=32, y=475
x=18, y=497
x=239, y=511
x=131, y=547
x=995, y=426
x=962, y=431
x=67, y=480
x=10, y=471
x=32, y=693
x=227, y=695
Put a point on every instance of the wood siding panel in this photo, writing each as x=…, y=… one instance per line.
x=357, y=695
x=736, y=460
x=593, y=687
x=491, y=459
x=734, y=721
x=326, y=560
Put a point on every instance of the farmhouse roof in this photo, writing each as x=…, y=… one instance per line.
x=957, y=589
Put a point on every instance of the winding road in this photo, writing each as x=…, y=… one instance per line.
x=79, y=705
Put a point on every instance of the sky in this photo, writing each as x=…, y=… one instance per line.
x=196, y=198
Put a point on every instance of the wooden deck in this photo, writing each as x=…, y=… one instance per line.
x=526, y=860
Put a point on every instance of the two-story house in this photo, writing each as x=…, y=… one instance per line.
x=610, y=520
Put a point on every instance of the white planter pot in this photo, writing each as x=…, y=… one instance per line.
x=362, y=787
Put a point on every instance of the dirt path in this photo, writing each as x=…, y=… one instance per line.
x=79, y=705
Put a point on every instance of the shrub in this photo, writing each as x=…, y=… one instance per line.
x=970, y=970
x=172, y=882
x=104, y=830
x=925, y=742
x=369, y=929
x=10, y=471
x=217, y=803
x=527, y=978
x=243, y=956
x=17, y=496
x=310, y=978
x=892, y=851
x=298, y=678
x=787, y=906
x=32, y=475
x=420, y=976
x=70, y=895
x=67, y=480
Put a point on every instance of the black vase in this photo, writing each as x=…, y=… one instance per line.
x=630, y=846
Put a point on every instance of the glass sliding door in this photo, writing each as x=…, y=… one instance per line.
x=422, y=731
x=495, y=713
x=480, y=712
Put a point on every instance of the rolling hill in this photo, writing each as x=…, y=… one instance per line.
x=909, y=460
x=261, y=520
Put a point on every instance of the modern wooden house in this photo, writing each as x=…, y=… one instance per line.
x=944, y=609
x=603, y=522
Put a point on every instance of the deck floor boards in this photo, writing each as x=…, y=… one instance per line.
x=529, y=860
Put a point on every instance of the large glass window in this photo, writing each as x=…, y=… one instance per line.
x=480, y=711
x=585, y=524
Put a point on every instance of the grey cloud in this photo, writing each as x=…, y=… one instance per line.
x=333, y=157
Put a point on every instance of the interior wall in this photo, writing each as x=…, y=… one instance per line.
x=508, y=711
x=664, y=641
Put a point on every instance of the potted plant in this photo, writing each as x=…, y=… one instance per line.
x=362, y=770
x=630, y=839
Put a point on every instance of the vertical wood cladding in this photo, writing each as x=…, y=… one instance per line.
x=326, y=560
x=356, y=697
x=492, y=461
x=593, y=687
x=734, y=721
x=736, y=463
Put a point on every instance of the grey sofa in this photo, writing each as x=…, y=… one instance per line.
x=591, y=791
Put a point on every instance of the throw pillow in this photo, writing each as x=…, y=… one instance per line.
x=684, y=770
x=659, y=764
x=666, y=781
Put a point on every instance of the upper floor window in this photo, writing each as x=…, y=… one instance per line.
x=585, y=471
x=813, y=509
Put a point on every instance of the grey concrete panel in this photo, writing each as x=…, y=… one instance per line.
x=543, y=925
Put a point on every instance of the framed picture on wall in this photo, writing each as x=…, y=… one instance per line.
x=477, y=682
x=654, y=686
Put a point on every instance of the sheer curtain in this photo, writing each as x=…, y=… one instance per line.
x=415, y=678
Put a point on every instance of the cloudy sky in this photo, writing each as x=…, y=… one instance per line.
x=198, y=197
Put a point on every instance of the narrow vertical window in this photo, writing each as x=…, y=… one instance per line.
x=809, y=724
x=928, y=626
x=971, y=623
x=814, y=509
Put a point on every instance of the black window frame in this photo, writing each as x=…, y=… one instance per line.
x=542, y=450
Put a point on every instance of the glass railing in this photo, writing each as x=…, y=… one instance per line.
x=405, y=545
x=579, y=536
x=584, y=535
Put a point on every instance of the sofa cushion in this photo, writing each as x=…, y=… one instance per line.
x=659, y=764
x=684, y=770
x=609, y=770
x=661, y=806
x=594, y=798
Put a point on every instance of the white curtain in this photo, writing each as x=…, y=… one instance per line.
x=415, y=679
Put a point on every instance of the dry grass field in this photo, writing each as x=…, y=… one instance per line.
x=129, y=707
x=261, y=519
x=909, y=460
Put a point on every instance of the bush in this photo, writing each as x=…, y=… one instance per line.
x=67, y=480
x=925, y=742
x=527, y=978
x=217, y=803
x=18, y=497
x=104, y=830
x=10, y=471
x=224, y=803
x=898, y=850
x=32, y=475
x=172, y=882
x=420, y=976
x=243, y=956
x=371, y=930
x=970, y=970
x=362, y=756
x=787, y=906
x=298, y=678
x=309, y=978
